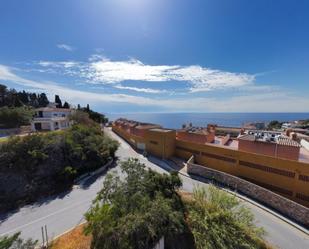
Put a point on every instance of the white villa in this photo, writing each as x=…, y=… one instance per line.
x=50, y=119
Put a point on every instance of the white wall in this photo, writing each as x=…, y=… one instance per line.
x=160, y=245
x=305, y=144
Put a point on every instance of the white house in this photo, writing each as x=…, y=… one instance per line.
x=50, y=119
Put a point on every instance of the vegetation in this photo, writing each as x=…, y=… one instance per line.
x=218, y=221
x=74, y=239
x=274, y=125
x=15, y=117
x=137, y=210
x=13, y=98
x=38, y=165
x=15, y=242
x=95, y=116
x=17, y=108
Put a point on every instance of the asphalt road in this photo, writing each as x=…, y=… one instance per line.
x=65, y=211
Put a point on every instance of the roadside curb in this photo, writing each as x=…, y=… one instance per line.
x=85, y=177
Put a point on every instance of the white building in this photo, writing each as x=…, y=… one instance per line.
x=50, y=119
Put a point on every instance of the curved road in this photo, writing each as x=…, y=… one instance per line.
x=65, y=211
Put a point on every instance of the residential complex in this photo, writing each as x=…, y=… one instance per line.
x=50, y=119
x=274, y=160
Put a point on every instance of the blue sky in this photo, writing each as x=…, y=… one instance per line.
x=160, y=55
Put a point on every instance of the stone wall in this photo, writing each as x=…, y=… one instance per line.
x=281, y=204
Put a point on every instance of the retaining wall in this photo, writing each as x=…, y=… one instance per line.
x=279, y=203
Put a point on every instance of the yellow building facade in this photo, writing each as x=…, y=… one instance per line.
x=286, y=177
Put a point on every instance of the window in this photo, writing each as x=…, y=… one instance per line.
x=188, y=150
x=222, y=158
x=268, y=169
x=303, y=178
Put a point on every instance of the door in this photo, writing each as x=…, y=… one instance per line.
x=38, y=126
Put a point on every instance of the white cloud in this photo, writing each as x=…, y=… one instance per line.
x=137, y=89
x=102, y=70
x=65, y=47
x=261, y=102
x=59, y=64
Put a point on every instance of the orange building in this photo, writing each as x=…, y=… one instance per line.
x=274, y=162
x=270, y=145
x=198, y=135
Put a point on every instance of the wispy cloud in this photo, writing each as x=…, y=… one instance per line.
x=137, y=89
x=260, y=102
x=102, y=70
x=65, y=47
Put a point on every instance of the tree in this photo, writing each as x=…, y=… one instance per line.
x=136, y=212
x=43, y=100
x=55, y=159
x=66, y=105
x=3, y=93
x=81, y=117
x=24, y=98
x=58, y=101
x=218, y=221
x=11, y=117
x=15, y=242
x=95, y=116
x=274, y=124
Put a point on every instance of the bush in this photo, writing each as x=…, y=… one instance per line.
x=136, y=212
x=218, y=221
x=14, y=117
x=15, y=242
x=38, y=165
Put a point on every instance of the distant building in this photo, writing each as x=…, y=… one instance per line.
x=199, y=135
x=267, y=158
x=50, y=119
x=269, y=144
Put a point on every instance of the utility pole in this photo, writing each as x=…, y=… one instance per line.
x=46, y=236
x=43, y=236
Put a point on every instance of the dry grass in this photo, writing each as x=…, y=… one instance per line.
x=3, y=139
x=75, y=239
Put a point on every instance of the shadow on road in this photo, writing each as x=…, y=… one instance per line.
x=92, y=179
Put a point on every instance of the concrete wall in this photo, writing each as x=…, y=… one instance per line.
x=288, y=208
x=195, y=137
x=269, y=149
x=160, y=143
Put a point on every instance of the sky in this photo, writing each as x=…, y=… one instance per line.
x=160, y=55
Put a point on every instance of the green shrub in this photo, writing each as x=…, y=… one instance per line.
x=46, y=163
x=14, y=117
x=15, y=242
x=218, y=221
x=137, y=211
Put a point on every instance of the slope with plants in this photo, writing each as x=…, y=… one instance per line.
x=39, y=165
x=135, y=210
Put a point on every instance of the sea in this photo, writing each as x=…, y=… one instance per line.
x=176, y=120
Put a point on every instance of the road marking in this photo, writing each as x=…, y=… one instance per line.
x=40, y=219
